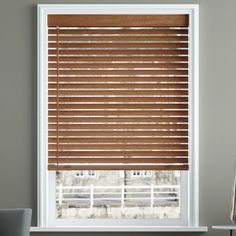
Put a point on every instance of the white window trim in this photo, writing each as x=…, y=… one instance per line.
x=120, y=229
x=192, y=10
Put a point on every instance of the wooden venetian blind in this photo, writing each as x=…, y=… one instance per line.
x=118, y=92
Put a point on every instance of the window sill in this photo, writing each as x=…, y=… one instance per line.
x=121, y=229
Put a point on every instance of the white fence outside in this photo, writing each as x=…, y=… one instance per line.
x=117, y=196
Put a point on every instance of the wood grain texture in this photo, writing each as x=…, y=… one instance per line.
x=118, y=95
x=117, y=153
x=111, y=45
x=118, y=167
x=84, y=20
x=122, y=31
x=110, y=52
x=133, y=134
x=112, y=58
x=111, y=147
x=117, y=126
x=118, y=113
x=118, y=119
x=117, y=65
x=117, y=160
x=115, y=140
x=121, y=100
x=118, y=38
x=119, y=79
x=70, y=106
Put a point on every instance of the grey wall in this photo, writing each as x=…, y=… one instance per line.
x=217, y=106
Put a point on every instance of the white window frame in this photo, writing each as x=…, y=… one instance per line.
x=45, y=210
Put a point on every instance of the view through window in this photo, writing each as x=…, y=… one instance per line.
x=118, y=194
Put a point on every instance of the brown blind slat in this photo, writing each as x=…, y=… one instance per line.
x=117, y=86
x=118, y=126
x=118, y=100
x=142, y=140
x=120, y=113
x=118, y=92
x=118, y=20
x=106, y=146
x=119, y=65
x=119, y=58
x=118, y=133
x=126, y=79
x=102, y=31
x=119, y=38
x=117, y=45
x=118, y=160
x=119, y=167
x=117, y=106
x=106, y=51
x=147, y=119
x=118, y=72
x=118, y=153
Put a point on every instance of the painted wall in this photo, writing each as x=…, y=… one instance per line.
x=217, y=106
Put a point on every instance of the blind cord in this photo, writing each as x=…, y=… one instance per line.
x=57, y=119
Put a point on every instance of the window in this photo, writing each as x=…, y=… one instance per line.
x=147, y=173
x=141, y=173
x=118, y=88
x=85, y=173
x=91, y=173
x=80, y=174
x=136, y=173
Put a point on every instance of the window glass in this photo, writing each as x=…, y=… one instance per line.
x=118, y=196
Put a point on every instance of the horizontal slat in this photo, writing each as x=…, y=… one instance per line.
x=119, y=92
x=116, y=38
x=117, y=65
x=83, y=20
x=117, y=86
x=118, y=133
x=118, y=153
x=118, y=126
x=121, y=100
x=118, y=146
x=118, y=106
x=118, y=167
x=119, y=113
x=119, y=52
x=119, y=79
x=112, y=58
x=117, y=45
x=122, y=31
x=115, y=140
x=119, y=119
x=118, y=72
x=117, y=160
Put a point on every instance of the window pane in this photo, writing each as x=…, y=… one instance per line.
x=118, y=195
